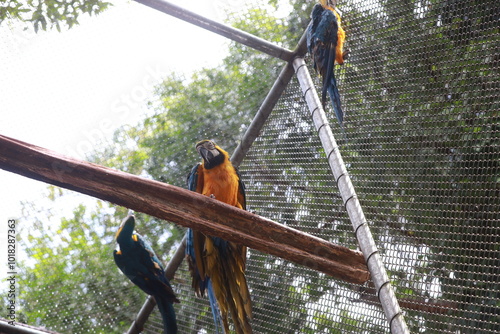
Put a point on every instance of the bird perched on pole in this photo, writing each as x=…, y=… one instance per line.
x=325, y=41
x=137, y=260
x=217, y=266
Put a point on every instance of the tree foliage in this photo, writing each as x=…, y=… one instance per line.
x=49, y=14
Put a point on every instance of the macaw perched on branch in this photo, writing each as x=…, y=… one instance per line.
x=137, y=260
x=325, y=42
x=218, y=266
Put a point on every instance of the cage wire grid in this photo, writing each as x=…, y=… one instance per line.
x=421, y=93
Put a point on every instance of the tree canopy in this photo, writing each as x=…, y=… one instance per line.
x=48, y=14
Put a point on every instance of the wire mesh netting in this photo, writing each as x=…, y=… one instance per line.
x=289, y=181
x=422, y=132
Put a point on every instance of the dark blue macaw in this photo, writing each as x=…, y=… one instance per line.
x=217, y=266
x=325, y=40
x=137, y=260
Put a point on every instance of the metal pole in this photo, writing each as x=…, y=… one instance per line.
x=262, y=115
x=267, y=106
x=20, y=328
x=379, y=276
x=220, y=28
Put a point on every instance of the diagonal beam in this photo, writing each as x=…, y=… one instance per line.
x=366, y=243
x=260, y=118
x=267, y=106
x=182, y=207
x=220, y=29
x=7, y=327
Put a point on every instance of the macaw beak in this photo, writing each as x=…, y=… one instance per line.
x=118, y=231
x=127, y=220
x=211, y=153
x=207, y=155
x=328, y=3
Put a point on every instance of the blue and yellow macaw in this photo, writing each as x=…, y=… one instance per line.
x=218, y=266
x=137, y=260
x=325, y=42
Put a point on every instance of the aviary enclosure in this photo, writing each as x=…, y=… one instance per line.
x=421, y=147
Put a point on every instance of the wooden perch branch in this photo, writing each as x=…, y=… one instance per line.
x=182, y=207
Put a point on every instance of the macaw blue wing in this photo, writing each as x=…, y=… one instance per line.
x=313, y=27
x=192, y=179
x=242, y=198
x=322, y=45
x=137, y=260
x=201, y=282
x=201, y=285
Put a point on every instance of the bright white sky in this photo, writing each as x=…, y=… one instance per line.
x=68, y=91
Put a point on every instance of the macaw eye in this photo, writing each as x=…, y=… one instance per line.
x=210, y=145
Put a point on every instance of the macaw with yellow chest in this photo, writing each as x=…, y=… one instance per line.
x=137, y=260
x=325, y=42
x=217, y=266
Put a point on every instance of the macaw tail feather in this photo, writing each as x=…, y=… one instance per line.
x=330, y=86
x=227, y=274
x=335, y=98
x=239, y=308
x=167, y=312
x=239, y=305
x=329, y=73
x=333, y=92
x=213, y=306
x=217, y=281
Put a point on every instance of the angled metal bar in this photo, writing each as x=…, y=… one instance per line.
x=19, y=328
x=262, y=115
x=267, y=106
x=237, y=157
x=220, y=29
x=366, y=242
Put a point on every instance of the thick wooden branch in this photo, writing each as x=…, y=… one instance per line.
x=182, y=207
